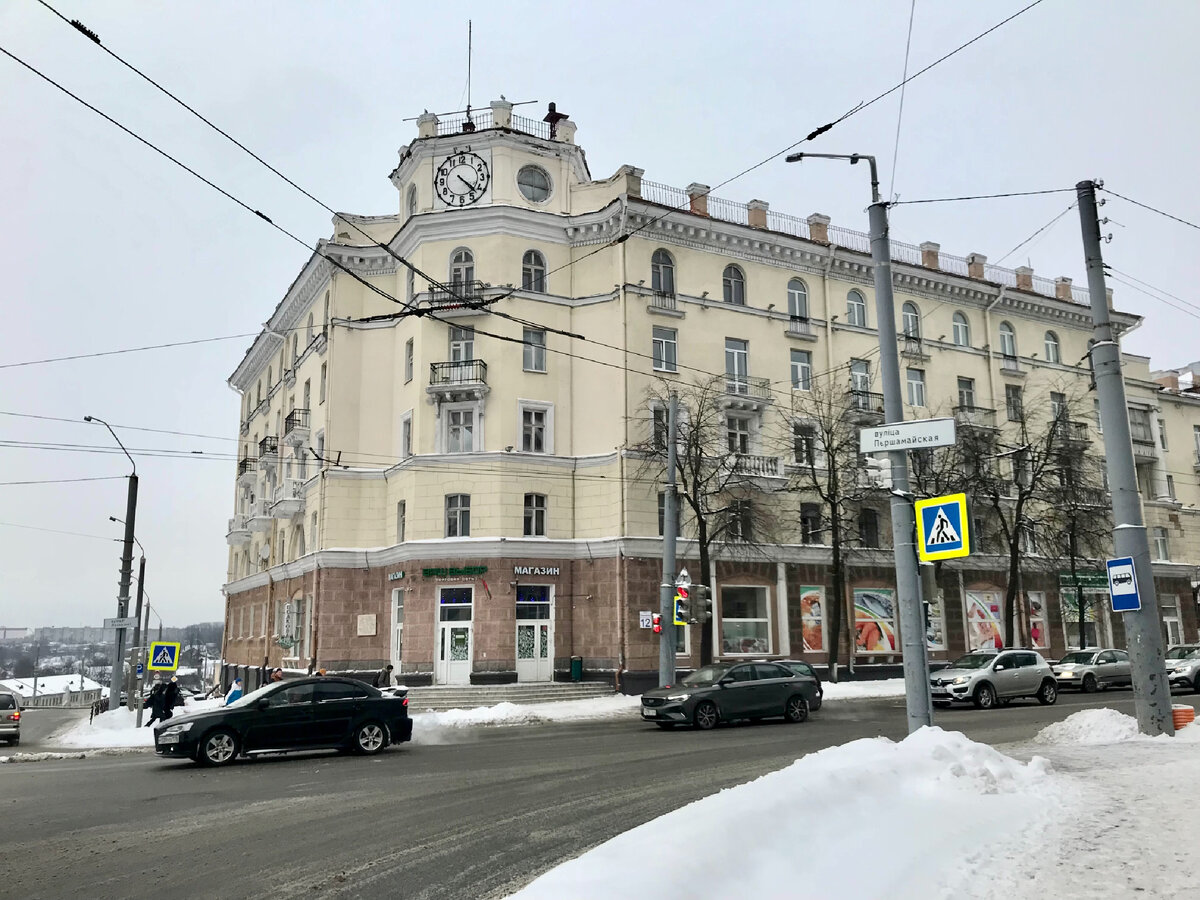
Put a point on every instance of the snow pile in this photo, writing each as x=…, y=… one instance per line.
x=118, y=727
x=1104, y=726
x=434, y=727
x=79, y=754
x=869, y=819
x=863, y=690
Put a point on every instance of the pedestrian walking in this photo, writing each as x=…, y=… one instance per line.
x=276, y=675
x=383, y=678
x=172, y=697
x=155, y=702
x=235, y=691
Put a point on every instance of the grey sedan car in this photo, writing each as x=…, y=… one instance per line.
x=725, y=692
x=984, y=677
x=1091, y=670
x=1183, y=666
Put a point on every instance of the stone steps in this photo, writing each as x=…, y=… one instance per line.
x=469, y=696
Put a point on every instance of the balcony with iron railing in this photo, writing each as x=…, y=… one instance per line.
x=458, y=380
x=748, y=386
x=974, y=417
x=912, y=347
x=238, y=532
x=1073, y=433
x=866, y=405
x=268, y=452
x=801, y=327
x=1010, y=365
x=458, y=296
x=663, y=301
x=296, y=427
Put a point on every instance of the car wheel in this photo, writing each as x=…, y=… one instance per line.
x=219, y=748
x=369, y=738
x=705, y=716
x=796, y=709
x=1196, y=683
x=1089, y=683
x=816, y=703
x=665, y=726
x=1048, y=693
x=985, y=697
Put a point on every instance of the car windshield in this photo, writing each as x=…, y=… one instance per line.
x=706, y=675
x=252, y=697
x=1078, y=658
x=1183, y=652
x=972, y=661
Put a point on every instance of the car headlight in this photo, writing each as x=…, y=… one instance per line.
x=678, y=696
x=961, y=679
x=178, y=729
x=1066, y=673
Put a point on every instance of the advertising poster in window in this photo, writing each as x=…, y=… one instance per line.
x=1038, y=636
x=812, y=617
x=875, y=620
x=935, y=625
x=983, y=620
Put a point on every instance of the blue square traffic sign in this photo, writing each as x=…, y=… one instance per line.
x=942, y=528
x=1122, y=585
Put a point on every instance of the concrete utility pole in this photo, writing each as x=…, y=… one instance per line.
x=1151, y=689
x=139, y=652
x=666, y=598
x=115, y=681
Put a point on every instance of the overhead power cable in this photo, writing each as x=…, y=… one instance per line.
x=65, y=480
x=1153, y=288
x=984, y=196
x=1045, y=227
x=912, y=13
x=1152, y=209
x=97, y=537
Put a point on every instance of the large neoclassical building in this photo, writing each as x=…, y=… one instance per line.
x=446, y=476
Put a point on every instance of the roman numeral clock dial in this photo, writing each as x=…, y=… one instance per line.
x=461, y=179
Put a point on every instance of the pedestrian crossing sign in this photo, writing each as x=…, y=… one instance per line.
x=942, y=528
x=164, y=656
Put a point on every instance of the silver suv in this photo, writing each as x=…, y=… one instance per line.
x=1183, y=666
x=10, y=718
x=986, y=676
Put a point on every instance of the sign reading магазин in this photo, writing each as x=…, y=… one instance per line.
x=535, y=570
x=915, y=435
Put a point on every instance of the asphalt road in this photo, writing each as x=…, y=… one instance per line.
x=37, y=724
x=475, y=818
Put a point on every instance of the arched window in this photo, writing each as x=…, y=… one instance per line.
x=325, y=314
x=268, y=379
x=462, y=266
x=533, y=272
x=910, y=320
x=298, y=550
x=412, y=201
x=1008, y=341
x=1052, y=350
x=662, y=273
x=734, y=284
x=797, y=299
x=308, y=332
x=962, y=331
x=856, y=309
x=295, y=347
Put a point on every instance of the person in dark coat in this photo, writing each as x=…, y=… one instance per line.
x=171, y=697
x=155, y=703
x=383, y=678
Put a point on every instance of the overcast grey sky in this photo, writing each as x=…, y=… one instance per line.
x=108, y=246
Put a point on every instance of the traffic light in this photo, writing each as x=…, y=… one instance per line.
x=879, y=472
x=656, y=620
x=702, y=602
x=681, y=605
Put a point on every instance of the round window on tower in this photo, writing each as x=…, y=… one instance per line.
x=534, y=183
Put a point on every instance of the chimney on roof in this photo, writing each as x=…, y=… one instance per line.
x=818, y=227
x=1108, y=297
x=427, y=124
x=1169, y=380
x=929, y=254
x=698, y=195
x=553, y=117
x=1024, y=279
x=501, y=113
x=975, y=264
x=1062, y=287
x=757, y=213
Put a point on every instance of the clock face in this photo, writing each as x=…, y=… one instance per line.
x=461, y=179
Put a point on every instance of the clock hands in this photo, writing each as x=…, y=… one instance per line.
x=464, y=181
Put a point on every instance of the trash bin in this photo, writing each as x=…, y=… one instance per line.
x=577, y=668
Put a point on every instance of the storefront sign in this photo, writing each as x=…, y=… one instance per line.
x=1094, y=581
x=535, y=570
x=395, y=576
x=464, y=572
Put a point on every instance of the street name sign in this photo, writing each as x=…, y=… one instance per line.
x=942, y=528
x=1122, y=585
x=921, y=434
x=164, y=656
x=121, y=622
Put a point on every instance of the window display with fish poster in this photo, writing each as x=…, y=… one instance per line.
x=875, y=620
x=983, y=620
x=935, y=624
x=812, y=617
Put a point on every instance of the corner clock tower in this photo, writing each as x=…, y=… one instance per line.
x=462, y=178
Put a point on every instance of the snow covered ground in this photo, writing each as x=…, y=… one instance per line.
x=118, y=728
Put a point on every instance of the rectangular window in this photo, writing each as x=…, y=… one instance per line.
x=408, y=360
x=1162, y=543
x=401, y=511
x=458, y=515
x=460, y=431
x=1162, y=434
x=860, y=376
x=535, y=350
x=662, y=513
x=966, y=393
x=741, y=519
x=665, y=349
x=1058, y=404
x=1171, y=487
x=533, y=430
x=810, y=523
x=745, y=621
x=1139, y=426
x=1168, y=607
x=321, y=448
x=535, y=515
x=804, y=441
x=406, y=442
x=868, y=528
x=462, y=343
x=737, y=432
x=1196, y=441
x=1099, y=424
x=737, y=366
x=660, y=428
x=916, y=387
x=323, y=380
x=398, y=622
x=801, y=370
x=1014, y=406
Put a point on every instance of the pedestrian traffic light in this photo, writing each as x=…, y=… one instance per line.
x=681, y=605
x=702, y=602
x=656, y=620
x=879, y=472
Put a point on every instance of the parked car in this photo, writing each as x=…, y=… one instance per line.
x=724, y=692
x=984, y=677
x=1093, y=669
x=303, y=714
x=1183, y=666
x=800, y=667
x=10, y=718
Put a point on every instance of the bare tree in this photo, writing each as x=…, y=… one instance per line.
x=823, y=446
x=717, y=476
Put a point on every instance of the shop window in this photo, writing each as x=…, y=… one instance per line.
x=533, y=601
x=745, y=620
x=812, y=618
x=875, y=621
x=1039, y=637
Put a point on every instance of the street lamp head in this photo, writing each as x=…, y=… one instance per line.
x=87, y=418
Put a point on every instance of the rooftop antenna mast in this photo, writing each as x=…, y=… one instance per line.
x=468, y=125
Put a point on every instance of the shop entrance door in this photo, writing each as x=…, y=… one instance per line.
x=454, y=650
x=535, y=633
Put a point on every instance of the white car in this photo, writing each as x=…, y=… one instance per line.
x=1093, y=669
x=1183, y=666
